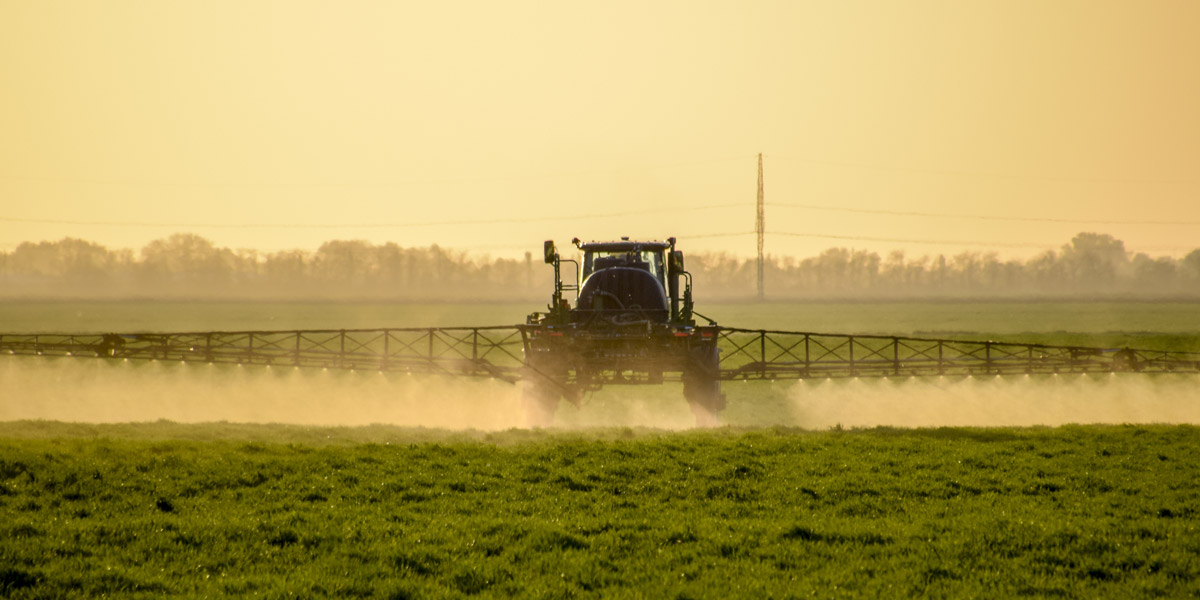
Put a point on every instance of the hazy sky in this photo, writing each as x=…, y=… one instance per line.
x=277, y=125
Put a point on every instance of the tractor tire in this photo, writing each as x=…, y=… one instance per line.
x=702, y=386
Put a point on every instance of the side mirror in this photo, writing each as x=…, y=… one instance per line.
x=676, y=261
x=550, y=252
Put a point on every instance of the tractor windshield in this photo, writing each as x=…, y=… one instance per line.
x=650, y=260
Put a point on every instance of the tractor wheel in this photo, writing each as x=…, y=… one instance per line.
x=702, y=388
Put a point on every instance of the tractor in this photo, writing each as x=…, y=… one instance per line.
x=630, y=325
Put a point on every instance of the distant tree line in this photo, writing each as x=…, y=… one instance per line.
x=1091, y=265
x=189, y=266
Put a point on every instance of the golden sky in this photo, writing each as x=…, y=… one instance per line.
x=490, y=126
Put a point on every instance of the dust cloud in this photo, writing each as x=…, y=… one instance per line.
x=108, y=391
x=116, y=391
x=1049, y=400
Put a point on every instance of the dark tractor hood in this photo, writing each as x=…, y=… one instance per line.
x=624, y=290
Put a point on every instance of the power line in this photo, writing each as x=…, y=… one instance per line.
x=864, y=238
x=855, y=238
x=901, y=213
x=577, y=174
x=717, y=235
x=982, y=174
x=372, y=184
x=972, y=243
x=585, y=217
x=507, y=221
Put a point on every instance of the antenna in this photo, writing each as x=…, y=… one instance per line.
x=760, y=227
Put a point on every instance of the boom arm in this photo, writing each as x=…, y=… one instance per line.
x=500, y=352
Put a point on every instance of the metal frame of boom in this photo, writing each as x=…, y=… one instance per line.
x=762, y=354
x=470, y=351
x=499, y=352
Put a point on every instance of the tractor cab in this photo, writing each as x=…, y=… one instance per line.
x=624, y=282
x=646, y=256
x=621, y=282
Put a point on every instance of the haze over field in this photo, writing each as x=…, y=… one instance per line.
x=94, y=391
x=488, y=127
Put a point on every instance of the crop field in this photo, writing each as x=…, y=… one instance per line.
x=275, y=511
x=152, y=479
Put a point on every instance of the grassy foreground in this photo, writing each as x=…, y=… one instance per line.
x=274, y=511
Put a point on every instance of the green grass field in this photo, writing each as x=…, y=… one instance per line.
x=789, y=500
x=275, y=511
